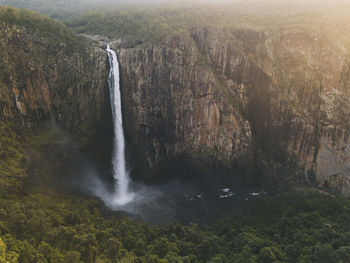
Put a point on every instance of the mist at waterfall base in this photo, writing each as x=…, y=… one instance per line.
x=119, y=197
x=174, y=201
x=141, y=199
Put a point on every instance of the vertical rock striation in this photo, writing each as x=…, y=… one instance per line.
x=54, y=80
x=181, y=112
x=237, y=99
x=48, y=77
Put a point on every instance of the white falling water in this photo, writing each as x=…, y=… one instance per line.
x=122, y=196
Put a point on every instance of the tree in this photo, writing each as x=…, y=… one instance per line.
x=140, y=248
x=342, y=255
x=219, y=258
x=266, y=255
x=321, y=254
x=113, y=249
x=2, y=251
x=161, y=247
x=293, y=252
x=72, y=257
x=53, y=255
x=10, y=257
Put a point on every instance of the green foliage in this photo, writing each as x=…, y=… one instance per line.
x=2, y=251
x=40, y=25
x=7, y=257
x=154, y=22
x=12, y=168
x=72, y=257
x=289, y=227
x=56, y=9
x=149, y=24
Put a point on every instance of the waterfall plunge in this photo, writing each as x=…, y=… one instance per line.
x=122, y=196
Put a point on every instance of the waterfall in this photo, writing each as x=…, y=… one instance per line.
x=122, y=195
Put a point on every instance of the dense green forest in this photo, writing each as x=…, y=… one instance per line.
x=40, y=24
x=289, y=227
x=62, y=9
x=152, y=23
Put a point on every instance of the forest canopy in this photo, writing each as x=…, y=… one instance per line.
x=155, y=22
x=40, y=24
x=289, y=227
x=152, y=21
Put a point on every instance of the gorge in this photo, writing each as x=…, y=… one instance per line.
x=188, y=116
x=237, y=106
x=229, y=105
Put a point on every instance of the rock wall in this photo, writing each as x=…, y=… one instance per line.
x=307, y=130
x=45, y=79
x=273, y=104
x=176, y=108
x=50, y=79
x=248, y=106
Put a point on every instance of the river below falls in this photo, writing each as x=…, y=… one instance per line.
x=179, y=204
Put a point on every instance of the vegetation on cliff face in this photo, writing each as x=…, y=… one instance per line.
x=46, y=227
x=39, y=24
x=49, y=78
x=14, y=127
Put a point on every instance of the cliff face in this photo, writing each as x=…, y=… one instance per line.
x=308, y=123
x=45, y=79
x=53, y=79
x=245, y=105
x=237, y=99
x=177, y=108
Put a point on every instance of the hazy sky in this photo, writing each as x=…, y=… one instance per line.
x=60, y=7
